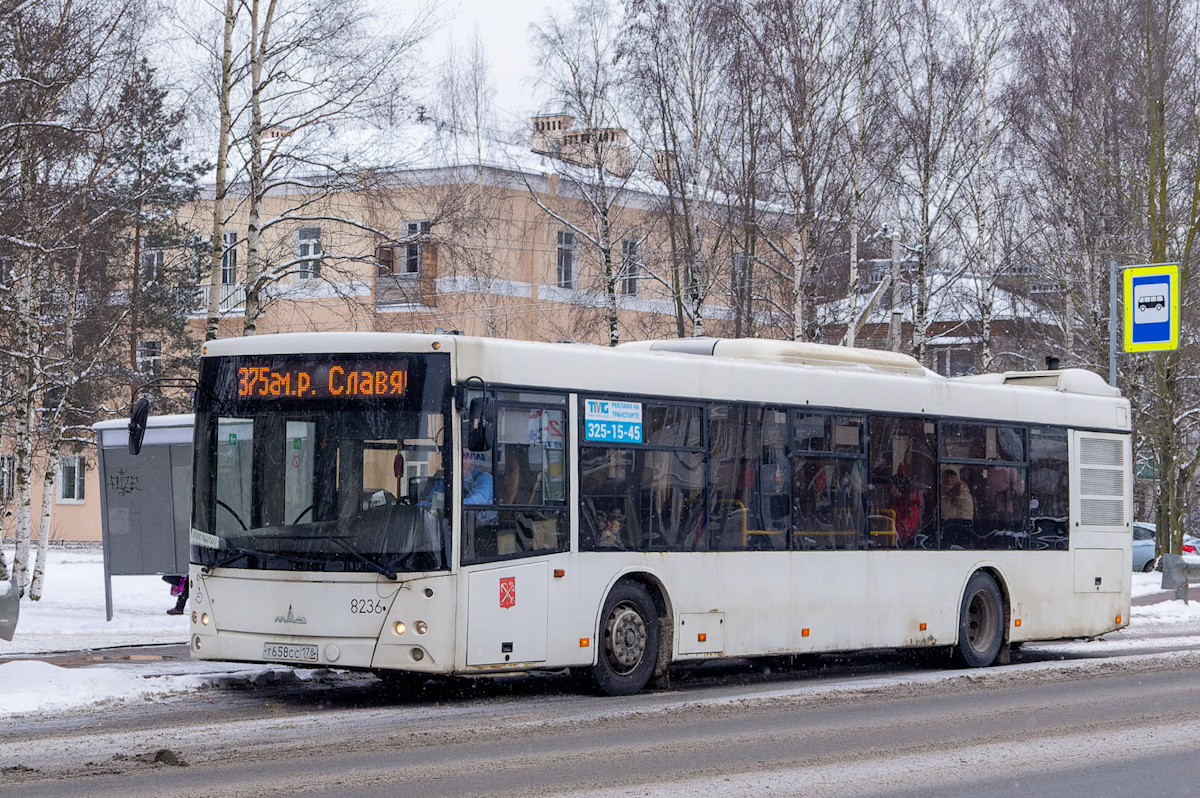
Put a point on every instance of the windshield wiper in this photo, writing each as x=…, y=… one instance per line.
x=337, y=541
x=237, y=554
x=381, y=569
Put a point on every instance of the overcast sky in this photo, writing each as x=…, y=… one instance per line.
x=504, y=28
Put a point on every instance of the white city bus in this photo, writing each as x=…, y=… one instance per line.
x=618, y=510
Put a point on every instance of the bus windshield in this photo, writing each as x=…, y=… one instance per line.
x=322, y=463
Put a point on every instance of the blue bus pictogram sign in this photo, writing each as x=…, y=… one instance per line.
x=1152, y=308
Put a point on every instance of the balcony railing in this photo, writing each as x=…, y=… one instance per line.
x=232, y=297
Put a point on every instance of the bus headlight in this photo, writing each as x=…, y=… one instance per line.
x=420, y=627
x=398, y=627
x=204, y=619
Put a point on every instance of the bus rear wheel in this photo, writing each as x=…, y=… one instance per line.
x=980, y=622
x=628, y=639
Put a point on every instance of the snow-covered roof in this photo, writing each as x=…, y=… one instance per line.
x=952, y=299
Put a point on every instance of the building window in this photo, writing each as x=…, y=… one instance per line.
x=953, y=361
x=229, y=257
x=631, y=267
x=149, y=356
x=152, y=265
x=308, y=253
x=385, y=257
x=71, y=469
x=8, y=478
x=416, y=234
x=566, y=259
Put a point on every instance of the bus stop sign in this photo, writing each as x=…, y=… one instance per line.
x=1152, y=307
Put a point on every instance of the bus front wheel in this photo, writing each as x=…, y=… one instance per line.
x=628, y=649
x=980, y=622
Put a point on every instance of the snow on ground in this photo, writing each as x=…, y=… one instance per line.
x=71, y=617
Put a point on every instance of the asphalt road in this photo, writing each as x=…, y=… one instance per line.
x=871, y=725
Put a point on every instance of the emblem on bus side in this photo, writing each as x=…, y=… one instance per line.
x=290, y=618
x=508, y=592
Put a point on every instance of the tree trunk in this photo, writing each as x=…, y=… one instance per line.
x=798, y=277
x=24, y=475
x=49, y=480
x=259, y=38
x=212, y=329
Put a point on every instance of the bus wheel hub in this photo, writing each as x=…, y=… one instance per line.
x=626, y=637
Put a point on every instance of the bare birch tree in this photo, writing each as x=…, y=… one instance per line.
x=674, y=62
x=305, y=88
x=804, y=50
x=576, y=53
x=475, y=209
x=81, y=129
x=934, y=88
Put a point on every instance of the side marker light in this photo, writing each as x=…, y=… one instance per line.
x=1017, y=622
x=584, y=642
x=804, y=633
x=702, y=637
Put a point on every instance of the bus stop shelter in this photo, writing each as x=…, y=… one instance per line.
x=145, y=501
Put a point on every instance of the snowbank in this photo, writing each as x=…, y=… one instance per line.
x=34, y=686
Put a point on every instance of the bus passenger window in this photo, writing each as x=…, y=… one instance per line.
x=609, y=515
x=984, y=498
x=734, y=487
x=827, y=482
x=904, y=476
x=1048, y=527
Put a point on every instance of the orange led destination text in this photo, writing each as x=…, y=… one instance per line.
x=262, y=381
x=366, y=383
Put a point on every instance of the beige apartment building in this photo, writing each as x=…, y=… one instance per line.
x=502, y=245
x=497, y=243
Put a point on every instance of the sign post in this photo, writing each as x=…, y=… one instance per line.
x=1151, y=310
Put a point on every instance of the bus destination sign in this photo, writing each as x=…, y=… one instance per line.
x=332, y=380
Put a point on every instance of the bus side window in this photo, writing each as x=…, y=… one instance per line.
x=903, y=468
x=649, y=497
x=734, y=465
x=1048, y=527
x=827, y=486
x=524, y=512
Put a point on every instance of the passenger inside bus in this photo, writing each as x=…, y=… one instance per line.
x=957, y=503
x=907, y=504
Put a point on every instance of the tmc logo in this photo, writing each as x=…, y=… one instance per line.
x=290, y=618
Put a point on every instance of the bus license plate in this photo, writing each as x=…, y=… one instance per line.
x=283, y=651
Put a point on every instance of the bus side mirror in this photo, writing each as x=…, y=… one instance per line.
x=137, y=425
x=479, y=431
